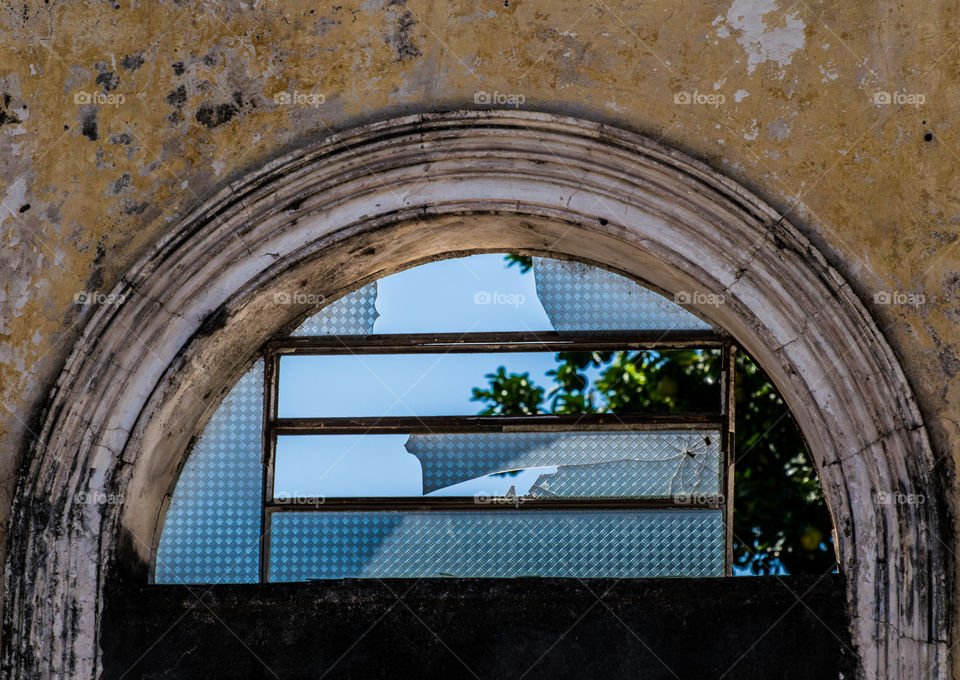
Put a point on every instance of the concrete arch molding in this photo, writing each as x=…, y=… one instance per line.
x=379, y=198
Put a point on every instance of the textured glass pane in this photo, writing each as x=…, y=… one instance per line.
x=354, y=385
x=683, y=475
x=212, y=528
x=367, y=465
x=353, y=314
x=579, y=297
x=649, y=464
x=507, y=543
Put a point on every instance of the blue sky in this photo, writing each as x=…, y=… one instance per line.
x=471, y=294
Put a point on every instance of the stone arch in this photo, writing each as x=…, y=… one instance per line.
x=356, y=206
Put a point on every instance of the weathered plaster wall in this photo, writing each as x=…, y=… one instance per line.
x=786, y=98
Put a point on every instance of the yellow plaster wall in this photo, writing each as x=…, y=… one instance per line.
x=788, y=100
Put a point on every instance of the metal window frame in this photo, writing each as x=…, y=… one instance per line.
x=444, y=343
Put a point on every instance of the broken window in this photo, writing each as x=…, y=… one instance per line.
x=405, y=436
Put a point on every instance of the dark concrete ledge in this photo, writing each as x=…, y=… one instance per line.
x=487, y=628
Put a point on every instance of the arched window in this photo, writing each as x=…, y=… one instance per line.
x=373, y=201
x=407, y=430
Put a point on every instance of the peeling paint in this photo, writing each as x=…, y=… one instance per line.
x=762, y=43
x=804, y=125
x=778, y=130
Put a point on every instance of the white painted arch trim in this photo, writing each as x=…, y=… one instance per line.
x=355, y=206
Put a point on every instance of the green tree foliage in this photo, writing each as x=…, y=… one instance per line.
x=780, y=519
x=509, y=395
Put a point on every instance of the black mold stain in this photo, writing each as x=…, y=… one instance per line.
x=25, y=207
x=88, y=124
x=178, y=68
x=130, y=208
x=177, y=98
x=127, y=565
x=400, y=40
x=215, y=115
x=949, y=363
x=214, y=321
x=6, y=117
x=132, y=62
x=108, y=79
x=120, y=184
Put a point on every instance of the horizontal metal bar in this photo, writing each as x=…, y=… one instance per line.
x=461, y=503
x=547, y=341
x=572, y=422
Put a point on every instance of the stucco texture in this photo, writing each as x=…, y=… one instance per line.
x=115, y=118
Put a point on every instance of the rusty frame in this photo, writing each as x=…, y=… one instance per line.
x=414, y=343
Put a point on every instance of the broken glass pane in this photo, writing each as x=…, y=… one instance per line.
x=472, y=294
x=332, y=465
x=353, y=314
x=579, y=297
x=212, y=529
x=591, y=464
x=494, y=544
